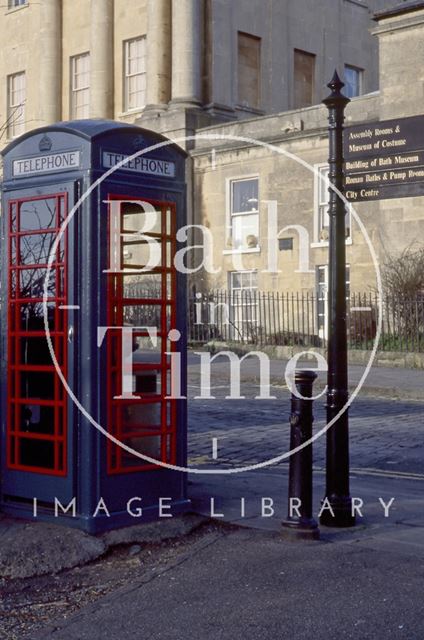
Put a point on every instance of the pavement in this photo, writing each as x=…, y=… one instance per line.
x=249, y=585
x=237, y=575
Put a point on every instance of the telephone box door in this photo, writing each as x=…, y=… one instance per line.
x=37, y=420
x=143, y=298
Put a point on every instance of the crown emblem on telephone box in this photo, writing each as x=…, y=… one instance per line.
x=45, y=143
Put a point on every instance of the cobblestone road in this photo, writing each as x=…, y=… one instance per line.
x=385, y=434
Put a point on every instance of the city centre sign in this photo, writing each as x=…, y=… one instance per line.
x=384, y=160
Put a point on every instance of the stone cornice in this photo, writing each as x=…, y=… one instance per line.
x=399, y=9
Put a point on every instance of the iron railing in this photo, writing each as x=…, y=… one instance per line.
x=299, y=319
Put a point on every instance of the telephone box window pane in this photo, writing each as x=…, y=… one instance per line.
x=146, y=383
x=13, y=216
x=141, y=285
x=37, y=384
x=36, y=453
x=35, y=351
x=32, y=283
x=141, y=417
x=140, y=429
x=143, y=315
x=37, y=418
x=59, y=346
x=32, y=318
x=13, y=284
x=170, y=289
x=13, y=253
x=61, y=283
x=38, y=214
x=136, y=219
x=148, y=350
x=145, y=255
x=12, y=450
x=146, y=445
x=169, y=255
x=170, y=449
x=36, y=249
x=169, y=222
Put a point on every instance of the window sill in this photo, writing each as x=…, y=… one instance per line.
x=325, y=243
x=253, y=110
x=14, y=9
x=231, y=252
x=132, y=112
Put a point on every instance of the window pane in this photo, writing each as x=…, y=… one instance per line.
x=80, y=86
x=304, y=79
x=249, y=62
x=135, y=73
x=353, y=78
x=322, y=186
x=245, y=231
x=235, y=280
x=16, y=105
x=323, y=198
x=244, y=195
x=322, y=207
x=244, y=303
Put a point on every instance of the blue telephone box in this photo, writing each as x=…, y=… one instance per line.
x=93, y=324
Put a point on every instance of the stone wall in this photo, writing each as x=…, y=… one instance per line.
x=391, y=225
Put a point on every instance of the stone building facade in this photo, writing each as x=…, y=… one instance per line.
x=178, y=64
x=228, y=170
x=229, y=72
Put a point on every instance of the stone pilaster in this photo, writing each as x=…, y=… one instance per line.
x=187, y=16
x=101, y=59
x=50, y=72
x=159, y=54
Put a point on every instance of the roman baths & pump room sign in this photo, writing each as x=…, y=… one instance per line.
x=384, y=160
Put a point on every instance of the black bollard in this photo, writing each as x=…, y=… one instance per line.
x=300, y=470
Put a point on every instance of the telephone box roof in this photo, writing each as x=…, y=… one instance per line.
x=92, y=130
